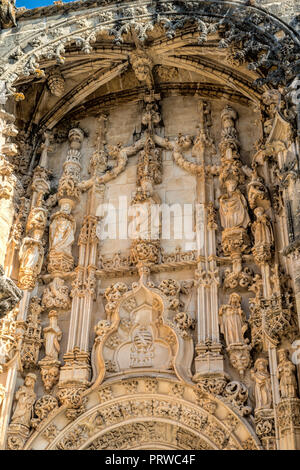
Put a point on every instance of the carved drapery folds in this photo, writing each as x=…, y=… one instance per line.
x=50, y=364
x=62, y=224
x=233, y=326
x=233, y=210
x=119, y=331
x=288, y=408
x=8, y=338
x=19, y=427
x=31, y=254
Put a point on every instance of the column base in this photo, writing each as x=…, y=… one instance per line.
x=76, y=369
x=209, y=361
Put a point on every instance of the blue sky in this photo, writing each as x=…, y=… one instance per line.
x=35, y=3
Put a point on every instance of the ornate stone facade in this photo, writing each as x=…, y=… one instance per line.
x=149, y=226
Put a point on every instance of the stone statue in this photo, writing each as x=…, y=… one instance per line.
x=257, y=191
x=232, y=321
x=62, y=229
x=25, y=397
x=233, y=207
x=263, y=391
x=31, y=252
x=52, y=335
x=31, y=257
x=286, y=375
x=262, y=228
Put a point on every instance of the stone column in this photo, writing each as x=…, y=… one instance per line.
x=288, y=408
x=31, y=256
x=8, y=181
x=61, y=261
x=209, y=361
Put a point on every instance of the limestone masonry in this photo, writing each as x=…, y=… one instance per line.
x=150, y=225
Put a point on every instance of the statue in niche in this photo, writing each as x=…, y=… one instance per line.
x=52, y=335
x=262, y=379
x=286, y=375
x=233, y=207
x=25, y=397
x=31, y=252
x=232, y=321
x=31, y=255
x=62, y=231
x=262, y=228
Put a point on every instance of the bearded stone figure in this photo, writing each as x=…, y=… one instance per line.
x=25, y=398
x=233, y=207
x=232, y=321
x=286, y=375
x=263, y=391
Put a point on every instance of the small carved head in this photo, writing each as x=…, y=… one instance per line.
x=261, y=364
x=76, y=137
x=30, y=380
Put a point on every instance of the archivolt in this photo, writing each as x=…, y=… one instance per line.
x=127, y=414
x=264, y=40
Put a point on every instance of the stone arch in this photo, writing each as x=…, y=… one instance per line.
x=238, y=28
x=151, y=434
x=162, y=411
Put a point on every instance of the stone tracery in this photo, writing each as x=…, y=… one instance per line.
x=154, y=307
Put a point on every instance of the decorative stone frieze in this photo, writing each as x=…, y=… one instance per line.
x=148, y=186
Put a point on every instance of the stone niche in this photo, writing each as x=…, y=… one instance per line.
x=140, y=339
x=141, y=336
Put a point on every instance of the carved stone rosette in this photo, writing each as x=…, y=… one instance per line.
x=265, y=428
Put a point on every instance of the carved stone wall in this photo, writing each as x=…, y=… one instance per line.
x=149, y=219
